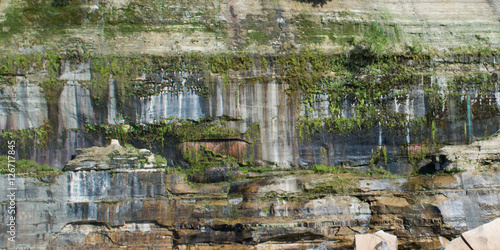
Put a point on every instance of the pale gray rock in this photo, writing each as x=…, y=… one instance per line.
x=75, y=72
x=23, y=105
x=75, y=106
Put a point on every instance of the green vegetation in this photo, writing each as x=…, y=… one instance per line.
x=369, y=82
x=46, y=19
x=175, y=131
x=340, y=185
x=372, y=172
x=258, y=169
x=25, y=137
x=352, y=35
x=160, y=161
x=172, y=127
x=375, y=38
x=26, y=168
x=202, y=158
x=379, y=156
x=322, y=169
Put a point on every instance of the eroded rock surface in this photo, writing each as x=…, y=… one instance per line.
x=479, y=153
x=379, y=240
x=482, y=237
x=94, y=208
x=113, y=156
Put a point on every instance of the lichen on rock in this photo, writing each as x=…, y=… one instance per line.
x=111, y=157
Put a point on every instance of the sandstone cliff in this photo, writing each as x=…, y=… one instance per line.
x=229, y=94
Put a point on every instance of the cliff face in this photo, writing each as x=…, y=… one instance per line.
x=137, y=209
x=222, y=89
x=148, y=206
x=170, y=26
x=327, y=82
x=266, y=114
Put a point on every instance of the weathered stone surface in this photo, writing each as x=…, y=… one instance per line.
x=458, y=244
x=266, y=103
x=378, y=240
x=479, y=153
x=23, y=105
x=114, y=156
x=484, y=237
x=432, y=24
x=99, y=236
x=87, y=203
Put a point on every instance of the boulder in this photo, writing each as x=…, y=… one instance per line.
x=457, y=244
x=482, y=237
x=379, y=240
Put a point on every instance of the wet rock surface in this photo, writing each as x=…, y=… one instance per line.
x=74, y=73
x=85, y=209
x=301, y=209
x=90, y=208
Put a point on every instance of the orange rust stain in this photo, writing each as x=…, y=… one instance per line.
x=417, y=148
x=234, y=148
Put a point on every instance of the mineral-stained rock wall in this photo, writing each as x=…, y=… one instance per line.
x=137, y=62
x=342, y=123
x=104, y=209
x=234, y=83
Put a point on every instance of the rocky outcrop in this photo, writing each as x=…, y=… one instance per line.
x=80, y=78
x=277, y=121
x=477, y=154
x=111, y=157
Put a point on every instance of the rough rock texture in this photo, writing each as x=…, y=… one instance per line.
x=395, y=88
x=277, y=139
x=378, y=240
x=133, y=27
x=479, y=153
x=114, y=156
x=77, y=207
x=451, y=38
x=482, y=237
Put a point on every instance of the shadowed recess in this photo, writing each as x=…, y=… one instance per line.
x=315, y=3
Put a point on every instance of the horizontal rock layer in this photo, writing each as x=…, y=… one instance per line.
x=138, y=208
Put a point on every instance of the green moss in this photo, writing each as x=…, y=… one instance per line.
x=25, y=168
x=322, y=169
x=223, y=63
x=160, y=161
x=259, y=37
x=375, y=38
x=352, y=35
x=173, y=128
x=45, y=20
x=336, y=185
x=204, y=158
